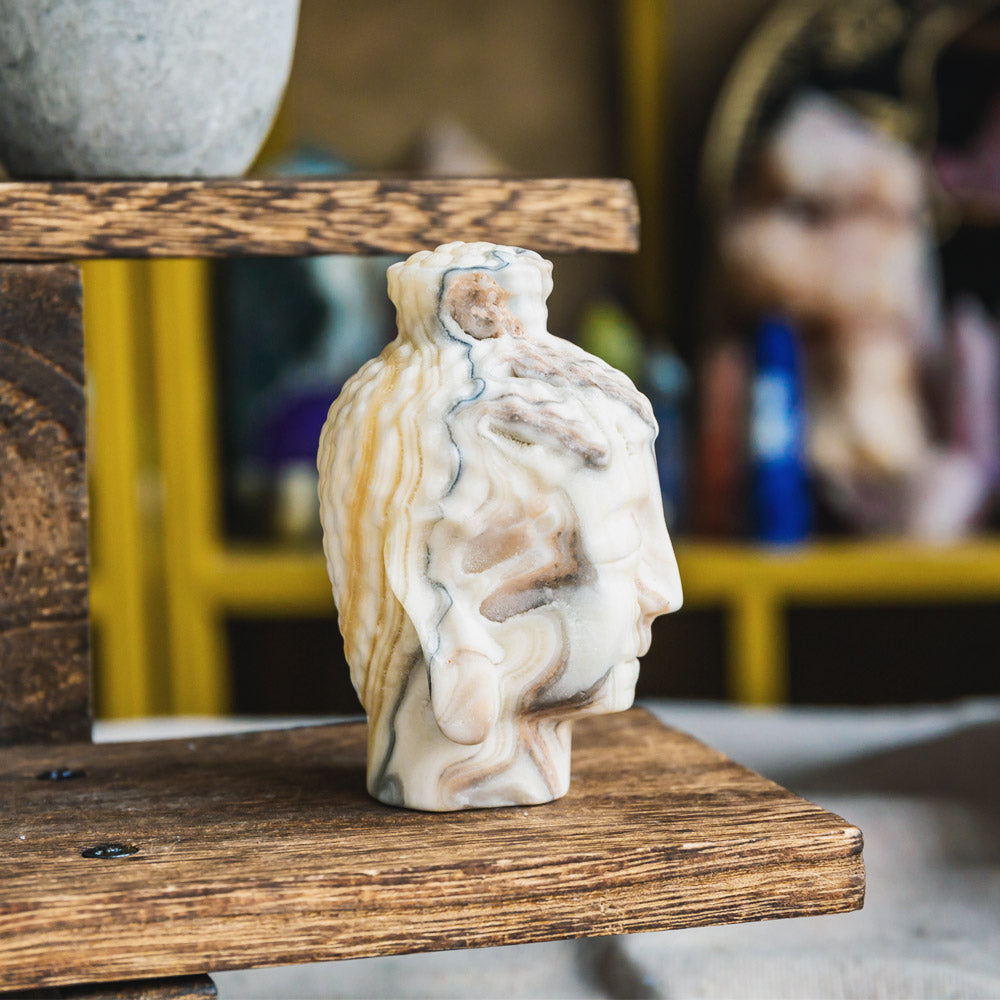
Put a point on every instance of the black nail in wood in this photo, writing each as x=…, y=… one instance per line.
x=109, y=851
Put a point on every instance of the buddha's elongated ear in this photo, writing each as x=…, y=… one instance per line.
x=460, y=654
x=465, y=695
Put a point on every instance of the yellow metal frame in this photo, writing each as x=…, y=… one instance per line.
x=125, y=569
x=757, y=584
x=192, y=532
x=754, y=585
x=645, y=41
x=157, y=536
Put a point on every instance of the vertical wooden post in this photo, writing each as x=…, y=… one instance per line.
x=44, y=633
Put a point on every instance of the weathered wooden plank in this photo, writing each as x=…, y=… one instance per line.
x=265, y=849
x=44, y=639
x=178, y=988
x=284, y=217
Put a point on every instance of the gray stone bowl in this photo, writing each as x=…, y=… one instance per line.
x=140, y=88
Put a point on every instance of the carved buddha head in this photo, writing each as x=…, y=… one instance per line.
x=521, y=553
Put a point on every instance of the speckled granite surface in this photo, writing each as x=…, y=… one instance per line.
x=138, y=88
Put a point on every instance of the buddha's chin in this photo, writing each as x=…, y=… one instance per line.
x=618, y=690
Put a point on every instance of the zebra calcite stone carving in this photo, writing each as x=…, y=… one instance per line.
x=494, y=534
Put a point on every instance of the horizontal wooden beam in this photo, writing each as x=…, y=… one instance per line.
x=61, y=220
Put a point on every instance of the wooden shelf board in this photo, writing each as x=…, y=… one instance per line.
x=264, y=849
x=56, y=220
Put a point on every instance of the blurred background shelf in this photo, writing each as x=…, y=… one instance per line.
x=980, y=211
x=756, y=585
x=633, y=94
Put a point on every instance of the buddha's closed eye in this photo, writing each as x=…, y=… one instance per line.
x=530, y=559
x=556, y=562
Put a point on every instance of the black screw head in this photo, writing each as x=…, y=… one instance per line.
x=105, y=851
x=60, y=774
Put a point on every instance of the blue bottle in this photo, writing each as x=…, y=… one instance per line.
x=666, y=384
x=781, y=507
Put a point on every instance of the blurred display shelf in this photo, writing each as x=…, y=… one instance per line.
x=756, y=585
x=978, y=210
x=171, y=578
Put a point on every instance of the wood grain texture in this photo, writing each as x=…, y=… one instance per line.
x=284, y=217
x=44, y=639
x=177, y=988
x=264, y=849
